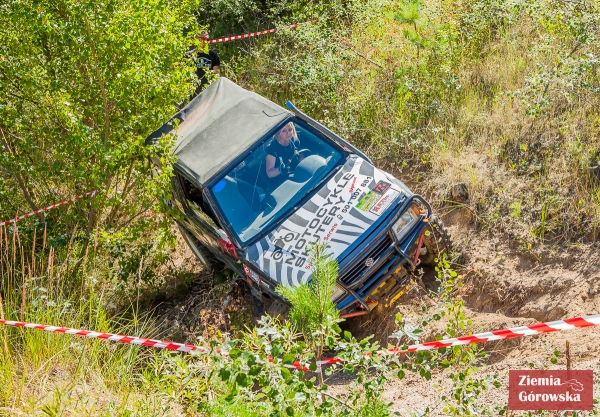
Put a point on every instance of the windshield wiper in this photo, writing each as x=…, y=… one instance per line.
x=318, y=185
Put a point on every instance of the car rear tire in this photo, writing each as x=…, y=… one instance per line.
x=437, y=242
x=210, y=262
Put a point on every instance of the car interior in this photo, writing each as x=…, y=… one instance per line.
x=244, y=195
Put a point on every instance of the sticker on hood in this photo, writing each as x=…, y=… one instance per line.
x=339, y=213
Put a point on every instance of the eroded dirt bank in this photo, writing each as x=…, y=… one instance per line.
x=506, y=286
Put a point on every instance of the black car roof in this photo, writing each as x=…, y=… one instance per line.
x=217, y=126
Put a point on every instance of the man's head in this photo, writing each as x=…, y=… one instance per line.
x=203, y=37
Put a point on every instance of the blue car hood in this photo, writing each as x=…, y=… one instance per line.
x=338, y=213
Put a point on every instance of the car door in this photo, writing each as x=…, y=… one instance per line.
x=203, y=226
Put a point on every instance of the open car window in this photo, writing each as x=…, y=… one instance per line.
x=252, y=202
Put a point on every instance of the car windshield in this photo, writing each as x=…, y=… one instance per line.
x=273, y=178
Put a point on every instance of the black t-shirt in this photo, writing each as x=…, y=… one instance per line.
x=205, y=62
x=286, y=155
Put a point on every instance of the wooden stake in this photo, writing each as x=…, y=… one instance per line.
x=3, y=329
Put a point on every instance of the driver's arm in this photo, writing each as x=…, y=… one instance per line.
x=272, y=172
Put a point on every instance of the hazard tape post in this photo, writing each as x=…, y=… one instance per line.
x=531, y=330
x=33, y=213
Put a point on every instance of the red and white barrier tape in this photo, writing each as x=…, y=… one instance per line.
x=181, y=347
x=262, y=32
x=159, y=344
x=33, y=213
x=531, y=330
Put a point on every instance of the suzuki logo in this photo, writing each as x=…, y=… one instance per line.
x=369, y=262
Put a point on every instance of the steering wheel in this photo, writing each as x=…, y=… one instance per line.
x=304, y=153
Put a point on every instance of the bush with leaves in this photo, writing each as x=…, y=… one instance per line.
x=82, y=83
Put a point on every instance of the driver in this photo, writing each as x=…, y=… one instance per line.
x=282, y=153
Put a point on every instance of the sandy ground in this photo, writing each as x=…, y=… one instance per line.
x=512, y=287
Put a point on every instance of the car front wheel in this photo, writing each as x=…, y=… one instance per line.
x=437, y=241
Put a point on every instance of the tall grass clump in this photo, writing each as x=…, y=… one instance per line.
x=53, y=373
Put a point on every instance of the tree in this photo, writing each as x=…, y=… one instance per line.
x=82, y=83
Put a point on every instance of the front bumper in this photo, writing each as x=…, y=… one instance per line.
x=387, y=278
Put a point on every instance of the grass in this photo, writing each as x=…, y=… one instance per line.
x=477, y=103
x=469, y=105
x=62, y=375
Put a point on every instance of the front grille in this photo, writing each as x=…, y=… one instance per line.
x=356, y=270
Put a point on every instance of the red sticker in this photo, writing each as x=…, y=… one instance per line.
x=381, y=187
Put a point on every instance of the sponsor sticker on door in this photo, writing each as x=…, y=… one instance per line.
x=550, y=390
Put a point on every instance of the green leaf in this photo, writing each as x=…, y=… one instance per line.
x=401, y=374
x=275, y=351
x=234, y=353
x=289, y=411
x=398, y=318
x=347, y=335
x=242, y=380
x=225, y=374
x=286, y=374
x=255, y=370
x=312, y=366
x=300, y=397
x=289, y=359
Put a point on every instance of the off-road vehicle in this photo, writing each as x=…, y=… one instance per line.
x=234, y=213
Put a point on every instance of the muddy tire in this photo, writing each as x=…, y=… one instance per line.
x=279, y=309
x=437, y=242
x=210, y=262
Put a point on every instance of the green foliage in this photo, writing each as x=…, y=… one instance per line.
x=81, y=86
x=72, y=375
x=462, y=363
x=433, y=84
x=313, y=312
x=426, y=83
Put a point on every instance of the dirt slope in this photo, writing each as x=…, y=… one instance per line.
x=512, y=287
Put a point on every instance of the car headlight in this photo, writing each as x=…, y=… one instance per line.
x=337, y=292
x=406, y=220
